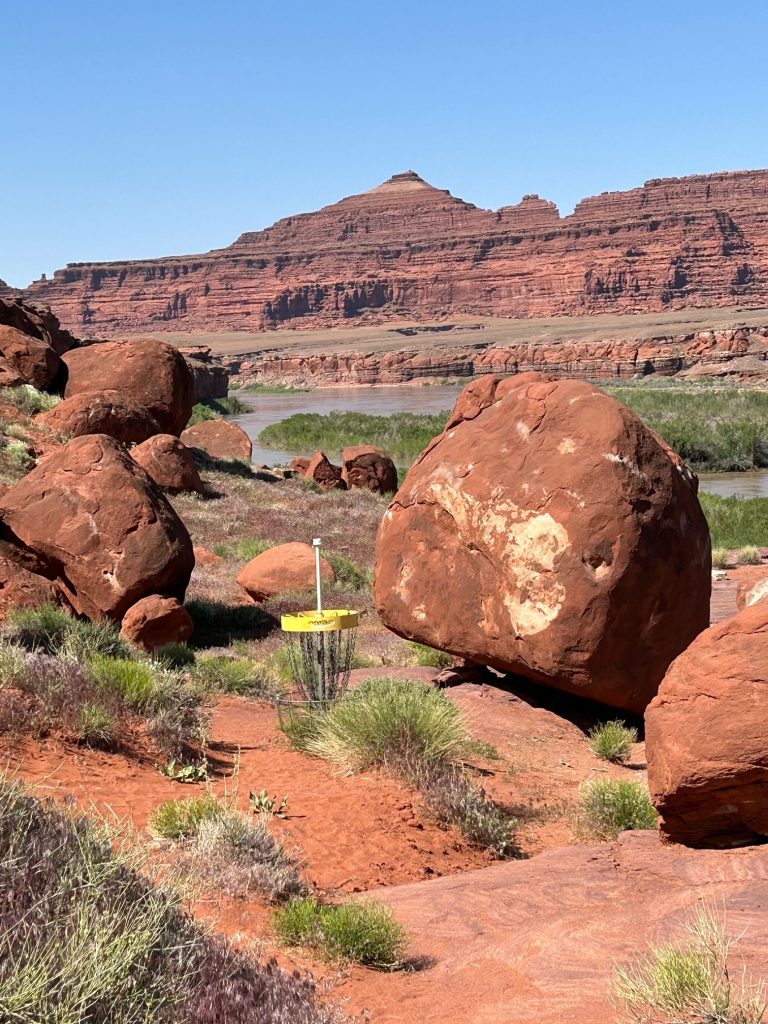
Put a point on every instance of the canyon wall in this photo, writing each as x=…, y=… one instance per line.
x=740, y=354
x=406, y=250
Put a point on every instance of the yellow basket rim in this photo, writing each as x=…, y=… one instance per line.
x=319, y=622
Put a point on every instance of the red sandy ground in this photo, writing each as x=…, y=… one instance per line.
x=522, y=941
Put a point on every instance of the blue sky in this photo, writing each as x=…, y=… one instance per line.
x=156, y=128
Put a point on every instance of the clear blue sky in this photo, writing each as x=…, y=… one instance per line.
x=157, y=128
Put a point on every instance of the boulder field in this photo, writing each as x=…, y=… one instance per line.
x=548, y=532
x=98, y=528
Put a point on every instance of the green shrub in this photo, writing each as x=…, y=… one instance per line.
x=404, y=435
x=133, y=681
x=98, y=727
x=18, y=456
x=181, y=819
x=175, y=655
x=29, y=400
x=749, y=556
x=13, y=664
x=612, y=741
x=363, y=932
x=51, y=630
x=736, y=522
x=349, y=576
x=610, y=806
x=691, y=983
x=430, y=657
x=244, y=550
x=389, y=722
x=178, y=720
x=242, y=676
x=216, y=409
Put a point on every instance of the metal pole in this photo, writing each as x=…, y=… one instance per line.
x=320, y=674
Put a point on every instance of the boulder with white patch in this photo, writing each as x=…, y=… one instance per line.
x=548, y=532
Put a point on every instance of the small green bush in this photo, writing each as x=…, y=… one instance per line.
x=430, y=657
x=98, y=728
x=349, y=576
x=721, y=558
x=17, y=454
x=610, y=806
x=244, y=550
x=451, y=797
x=242, y=676
x=691, y=983
x=612, y=741
x=175, y=656
x=29, y=400
x=133, y=681
x=181, y=819
x=216, y=409
x=13, y=664
x=51, y=630
x=363, y=932
x=178, y=720
x=749, y=556
x=389, y=722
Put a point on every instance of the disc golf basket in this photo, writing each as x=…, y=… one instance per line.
x=321, y=645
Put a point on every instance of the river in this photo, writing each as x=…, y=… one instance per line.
x=383, y=401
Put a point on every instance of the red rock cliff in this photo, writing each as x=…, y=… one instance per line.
x=406, y=249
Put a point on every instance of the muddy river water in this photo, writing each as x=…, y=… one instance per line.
x=383, y=401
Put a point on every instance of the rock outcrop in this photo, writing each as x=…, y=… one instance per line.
x=547, y=532
x=752, y=586
x=287, y=567
x=99, y=527
x=106, y=412
x=707, y=736
x=369, y=468
x=220, y=439
x=152, y=373
x=407, y=249
x=210, y=375
x=170, y=464
x=155, y=621
x=324, y=473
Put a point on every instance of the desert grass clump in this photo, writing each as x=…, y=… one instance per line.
x=389, y=723
x=430, y=657
x=181, y=819
x=133, y=681
x=364, y=932
x=612, y=741
x=179, y=720
x=51, y=630
x=84, y=936
x=242, y=676
x=692, y=982
x=721, y=558
x=29, y=401
x=610, y=806
x=98, y=727
x=749, y=555
x=349, y=575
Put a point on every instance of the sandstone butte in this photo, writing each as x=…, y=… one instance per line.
x=408, y=250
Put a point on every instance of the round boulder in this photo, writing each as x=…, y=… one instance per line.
x=551, y=535
x=369, y=468
x=707, y=736
x=156, y=621
x=103, y=530
x=152, y=373
x=220, y=439
x=106, y=412
x=26, y=360
x=324, y=473
x=170, y=464
x=282, y=568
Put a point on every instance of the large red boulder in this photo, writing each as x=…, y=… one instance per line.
x=369, y=468
x=152, y=373
x=100, y=526
x=283, y=568
x=36, y=322
x=155, y=621
x=26, y=360
x=323, y=472
x=220, y=439
x=105, y=412
x=170, y=464
x=22, y=584
x=551, y=535
x=707, y=736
